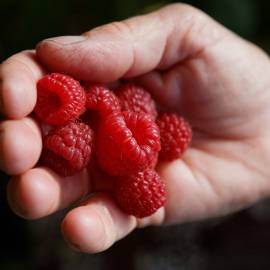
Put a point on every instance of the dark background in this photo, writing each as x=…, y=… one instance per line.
x=239, y=241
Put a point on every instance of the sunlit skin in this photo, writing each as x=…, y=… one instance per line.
x=191, y=64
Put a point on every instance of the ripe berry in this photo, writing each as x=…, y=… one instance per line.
x=92, y=119
x=136, y=99
x=101, y=99
x=100, y=180
x=67, y=149
x=175, y=135
x=140, y=194
x=127, y=143
x=60, y=99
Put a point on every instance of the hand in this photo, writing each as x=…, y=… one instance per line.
x=192, y=65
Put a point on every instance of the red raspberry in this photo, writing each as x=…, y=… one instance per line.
x=136, y=99
x=140, y=194
x=100, y=180
x=92, y=119
x=67, y=149
x=101, y=99
x=60, y=99
x=127, y=143
x=175, y=135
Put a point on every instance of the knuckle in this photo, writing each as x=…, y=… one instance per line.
x=16, y=61
x=185, y=11
x=117, y=28
x=183, y=8
x=121, y=27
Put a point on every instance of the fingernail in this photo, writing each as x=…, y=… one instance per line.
x=66, y=40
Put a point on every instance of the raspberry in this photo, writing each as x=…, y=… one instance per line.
x=134, y=98
x=175, y=136
x=60, y=99
x=68, y=148
x=127, y=143
x=100, y=180
x=140, y=194
x=91, y=118
x=101, y=99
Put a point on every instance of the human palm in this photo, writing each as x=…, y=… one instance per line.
x=192, y=65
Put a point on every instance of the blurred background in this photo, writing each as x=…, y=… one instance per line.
x=239, y=241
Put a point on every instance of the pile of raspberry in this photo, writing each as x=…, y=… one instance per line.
x=121, y=132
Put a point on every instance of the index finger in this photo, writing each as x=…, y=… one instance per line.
x=18, y=77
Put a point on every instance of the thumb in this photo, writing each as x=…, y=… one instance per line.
x=131, y=47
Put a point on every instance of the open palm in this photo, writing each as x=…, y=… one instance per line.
x=192, y=65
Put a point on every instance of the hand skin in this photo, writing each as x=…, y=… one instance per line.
x=192, y=65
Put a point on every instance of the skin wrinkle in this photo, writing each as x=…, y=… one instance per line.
x=121, y=29
x=125, y=30
x=166, y=42
x=187, y=38
x=133, y=62
x=114, y=234
x=221, y=85
x=109, y=236
x=157, y=219
x=263, y=172
x=249, y=166
x=218, y=200
x=11, y=140
x=229, y=168
x=241, y=200
x=246, y=166
x=6, y=89
x=73, y=56
x=169, y=215
x=35, y=73
x=22, y=62
x=55, y=203
x=200, y=179
x=239, y=65
x=31, y=123
x=49, y=209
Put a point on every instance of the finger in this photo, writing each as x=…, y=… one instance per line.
x=99, y=223
x=132, y=47
x=18, y=76
x=40, y=192
x=20, y=145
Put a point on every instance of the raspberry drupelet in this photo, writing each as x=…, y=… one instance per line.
x=135, y=98
x=127, y=143
x=67, y=149
x=175, y=135
x=140, y=194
